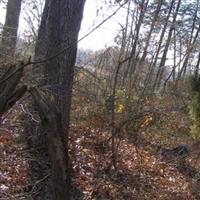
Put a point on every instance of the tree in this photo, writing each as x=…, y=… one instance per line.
x=57, y=45
x=155, y=18
x=160, y=72
x=9, y=34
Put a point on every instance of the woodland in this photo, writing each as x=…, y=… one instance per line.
x=117, y=123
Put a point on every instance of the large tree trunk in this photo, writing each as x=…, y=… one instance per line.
x=59, y=32
x=9, y=34
x=64, y=21
x=52, y=123
x=58, y=35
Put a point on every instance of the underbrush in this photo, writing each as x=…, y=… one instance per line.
x=143, y=170
x=145, y=140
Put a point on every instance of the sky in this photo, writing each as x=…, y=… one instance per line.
x=104, y=36
x=94, y=13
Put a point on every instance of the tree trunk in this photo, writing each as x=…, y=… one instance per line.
x=154, y=63
x=189, y=51
x=155, y=18
x=52, y=122
x=40, y=48
x=9, y=34
x=160, y=72
x=196, y=74
x=57, y=40
x=132, y=62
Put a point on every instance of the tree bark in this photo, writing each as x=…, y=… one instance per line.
x=52, y=122
x=58, y=35
x=40, y=48
x=10, y=91
x=9, y=34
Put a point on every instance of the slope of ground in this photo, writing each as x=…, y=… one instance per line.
x=146, y=167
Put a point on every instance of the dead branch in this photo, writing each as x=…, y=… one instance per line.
x=8, y=92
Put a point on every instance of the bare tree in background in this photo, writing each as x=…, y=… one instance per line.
x=9, y=34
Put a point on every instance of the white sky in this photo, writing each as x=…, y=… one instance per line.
x=102, y=37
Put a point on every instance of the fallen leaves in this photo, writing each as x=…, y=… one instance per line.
x=140, y=174
x=13, y=166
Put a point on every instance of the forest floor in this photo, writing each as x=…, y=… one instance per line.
x=145, y=168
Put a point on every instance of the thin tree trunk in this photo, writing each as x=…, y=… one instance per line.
x=189, y=50
x=197, y=67
x=174, y=67
x=191, y=42
x=154, y=63
x=160, y=72
x=132, y=61
x=155, y=18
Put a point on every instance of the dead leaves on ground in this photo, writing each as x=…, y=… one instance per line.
x=140, y=174
x=13, y=166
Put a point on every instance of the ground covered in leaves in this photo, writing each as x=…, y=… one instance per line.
x=143, y=170
x=14, y=174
